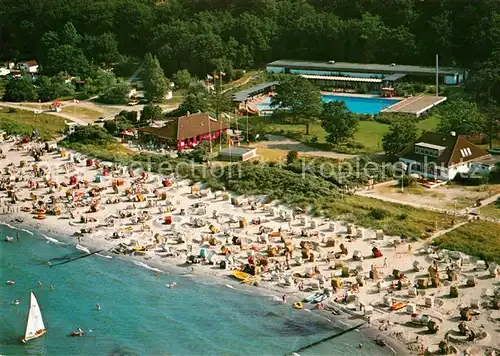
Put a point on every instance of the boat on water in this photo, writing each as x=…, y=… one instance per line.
x=76, y=333
x=34, y=326
x=9, y=238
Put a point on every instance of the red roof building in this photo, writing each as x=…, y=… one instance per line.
x=187, y=131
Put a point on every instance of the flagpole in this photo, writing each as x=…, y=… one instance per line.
x=236, y=119
x=218, y=110
x=246, y=109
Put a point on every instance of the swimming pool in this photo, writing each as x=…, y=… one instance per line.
x=356, y=104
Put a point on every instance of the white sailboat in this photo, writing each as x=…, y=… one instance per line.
x=34, y=327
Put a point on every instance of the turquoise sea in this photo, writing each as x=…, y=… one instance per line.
x=140, y=315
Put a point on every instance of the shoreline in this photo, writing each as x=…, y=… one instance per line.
x=168, y=223
x=200, y=274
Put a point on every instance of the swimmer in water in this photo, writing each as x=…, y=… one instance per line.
x=360, y=345
x=16, y=302
x=51, y=287
x=98, y=306
x=40, y=284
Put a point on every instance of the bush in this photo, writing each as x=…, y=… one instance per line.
x=291, y=157
x=419, y=88
x=471, y=180
x=407, y=181
x=238, y=74
x=354, y=145
x=91, y=135
x=378, y=214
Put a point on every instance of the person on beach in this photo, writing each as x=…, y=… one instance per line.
x=18, y=236
x=283, y=298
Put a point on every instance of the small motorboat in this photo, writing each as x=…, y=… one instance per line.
x=9, y=239
x=11, y=282
x=76, y=333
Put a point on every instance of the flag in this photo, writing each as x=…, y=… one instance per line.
x=222, y=74
x=209, y=77
x=75, y=101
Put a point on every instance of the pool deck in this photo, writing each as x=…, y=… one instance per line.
x=416, y=105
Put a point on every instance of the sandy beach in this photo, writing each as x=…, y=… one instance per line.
x=165, y=222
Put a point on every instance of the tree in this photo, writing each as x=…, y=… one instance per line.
x=99, y=81
x=298, y=98
x=484, y=88
x=339, y=123
x=460, y=116
x=102, y=48
x=183, y=79
x=401, y=134
x=66, y=58
x=52, y=88
x=150, y=113
x=117, y=94
x=156, y=85
x=20, y=89
x=196, y=99
x=70, y=36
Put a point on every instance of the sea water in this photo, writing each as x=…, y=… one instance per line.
x=140, y=315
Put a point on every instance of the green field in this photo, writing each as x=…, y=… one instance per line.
x=22, y=122
x=477, y=238
x=491, y=211
x=369, y=133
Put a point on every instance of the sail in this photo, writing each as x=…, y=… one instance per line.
x=34, y=326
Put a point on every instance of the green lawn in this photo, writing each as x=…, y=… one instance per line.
x=477, y=238
x=491, y=211
x=429, y=124
x=369, y=133
x=22, y=122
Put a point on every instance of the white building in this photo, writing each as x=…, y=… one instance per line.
x=442, y=156
x=29, y=66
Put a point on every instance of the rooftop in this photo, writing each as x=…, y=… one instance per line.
x=341, y=79
x=247, y=93
x=456, y=149
x=365, y=67
x=186, y=127
x=430, y=145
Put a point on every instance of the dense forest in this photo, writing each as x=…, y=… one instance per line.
x=201, y=35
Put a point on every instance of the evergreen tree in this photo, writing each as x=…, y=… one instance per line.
x=156, y=85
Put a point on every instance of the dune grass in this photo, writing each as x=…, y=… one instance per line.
x=23, y=122
x=477, y=238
